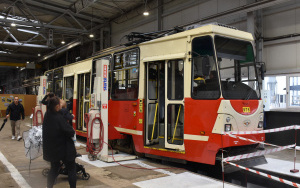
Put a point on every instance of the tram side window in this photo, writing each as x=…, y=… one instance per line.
x=205, y=84
x=49, y=81
x=69, y=81
x=175, y=80
x=125, y=75
x=58, y=82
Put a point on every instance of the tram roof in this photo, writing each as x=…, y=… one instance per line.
x=206, y=30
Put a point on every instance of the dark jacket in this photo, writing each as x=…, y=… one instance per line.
x=57, y=142
x=45, y=101
x=15, y=111
x=67, y=115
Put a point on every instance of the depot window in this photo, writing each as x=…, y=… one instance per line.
x=281, y=92
x=125, y=75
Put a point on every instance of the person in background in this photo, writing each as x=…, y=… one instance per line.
x=14, y=111
x=57, y=143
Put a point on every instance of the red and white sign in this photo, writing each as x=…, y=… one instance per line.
x=104, y=106
x=105, y=71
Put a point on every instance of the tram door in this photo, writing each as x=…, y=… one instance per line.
x=165, y=106
x=83, y=102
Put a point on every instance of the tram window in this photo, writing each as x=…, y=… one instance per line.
x=125, y=75
x=237, y=69
x=175, y=124
x=58, y=82
x=49, y=81
x=69, y=82
x=152, y=82
x=175, y=80
x=87, y=85
x=205, y=83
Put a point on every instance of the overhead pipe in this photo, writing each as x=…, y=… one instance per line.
x=61, y=50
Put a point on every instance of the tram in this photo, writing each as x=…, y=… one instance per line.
x=173, y=96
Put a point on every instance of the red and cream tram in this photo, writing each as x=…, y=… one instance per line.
x=173, y=96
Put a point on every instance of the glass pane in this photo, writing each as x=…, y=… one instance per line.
x=237, y=69
x=49, y=81
x=125, y=76
x=152, y=81
x=58, y=82
x=205, y=83
x=175, y=80
x=152, y=120
x=294, y=91
x=274, y=92
x=69, y=87
x=87, y=86
x=131, y=58
x=175, y=124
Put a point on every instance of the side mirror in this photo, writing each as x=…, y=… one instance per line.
x=205, y=66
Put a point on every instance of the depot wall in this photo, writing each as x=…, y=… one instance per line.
x=279, y=20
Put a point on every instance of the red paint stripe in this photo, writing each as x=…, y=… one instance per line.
x=269, y=176
x=281, y=180
x=257, y=172
x=247, y=169
x=294, y=184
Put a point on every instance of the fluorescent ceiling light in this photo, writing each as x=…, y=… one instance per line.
x=28, y=31
x=146, y=13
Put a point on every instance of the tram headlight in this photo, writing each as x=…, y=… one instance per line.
x=260, y=124
x=227, y=127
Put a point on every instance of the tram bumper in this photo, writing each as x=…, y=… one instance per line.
x=249, y=162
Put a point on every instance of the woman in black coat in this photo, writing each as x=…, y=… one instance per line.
x=57, y=143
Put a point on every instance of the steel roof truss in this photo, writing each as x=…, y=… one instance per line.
x=11, y=35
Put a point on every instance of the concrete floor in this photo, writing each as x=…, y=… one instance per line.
x=105, y=176
x=16, y=165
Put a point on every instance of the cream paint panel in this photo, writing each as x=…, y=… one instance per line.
x=130, y=131
x=281, y=23
x=281, y=56
x=195, y=137
x=226, y=109
x=165, y=57
x=82, y=67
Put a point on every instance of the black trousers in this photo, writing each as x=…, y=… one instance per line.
x=54, y=171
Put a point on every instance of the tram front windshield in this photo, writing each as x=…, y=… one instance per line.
x=237, y=69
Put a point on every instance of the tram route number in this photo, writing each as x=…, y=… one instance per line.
x=246, y=109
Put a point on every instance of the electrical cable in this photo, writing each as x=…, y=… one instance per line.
x=95, y=150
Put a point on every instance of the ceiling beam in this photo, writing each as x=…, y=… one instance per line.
x=80, y=5
x=74, y=30
x=23, y=44
x=61, y=10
